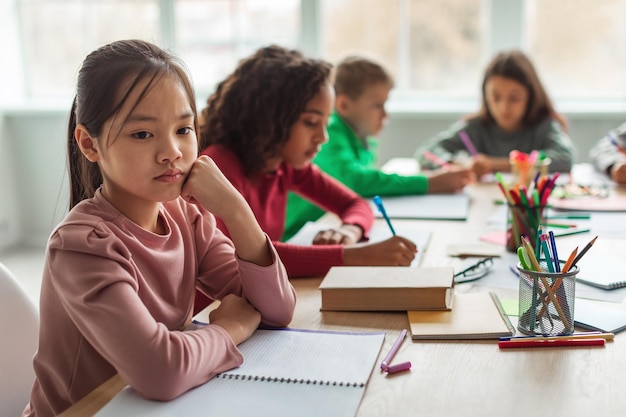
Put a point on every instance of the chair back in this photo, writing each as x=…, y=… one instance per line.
x=19, y=330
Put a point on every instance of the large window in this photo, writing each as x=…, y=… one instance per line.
x=213, y=35
x=434, y=49
x=57, y=34
x=579, y=46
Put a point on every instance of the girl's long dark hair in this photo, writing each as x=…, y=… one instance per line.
x=99, y=96
x=516, y=65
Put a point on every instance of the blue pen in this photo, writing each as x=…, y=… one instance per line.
x=557, y=263
x=379, y=204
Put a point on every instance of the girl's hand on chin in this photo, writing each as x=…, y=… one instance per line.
x=207, y=185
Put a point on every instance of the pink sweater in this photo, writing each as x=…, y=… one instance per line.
x=114, y=297
x=267, y=196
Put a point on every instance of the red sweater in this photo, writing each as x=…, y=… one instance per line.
x=267, y=196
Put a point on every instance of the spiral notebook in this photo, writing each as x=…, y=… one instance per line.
x=285, y=373
x=602, y=271
x=592, y=315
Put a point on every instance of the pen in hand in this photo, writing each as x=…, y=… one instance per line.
x=616, y=144
x=379, y=204
x=469, y=145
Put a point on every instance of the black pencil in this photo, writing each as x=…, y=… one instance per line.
x=585, y=249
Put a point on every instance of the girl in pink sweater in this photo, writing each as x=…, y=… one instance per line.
x=122, y=268
x=262, y=127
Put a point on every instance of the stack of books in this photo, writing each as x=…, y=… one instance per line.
x=434, y=311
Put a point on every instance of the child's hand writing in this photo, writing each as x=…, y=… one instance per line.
x=347, y=234
x=237, y=317
x=482, y=165
x=450, y=181
x=395, y=251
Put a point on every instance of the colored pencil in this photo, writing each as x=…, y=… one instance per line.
x=585, y=249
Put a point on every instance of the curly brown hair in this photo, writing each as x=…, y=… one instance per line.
x=252, y=110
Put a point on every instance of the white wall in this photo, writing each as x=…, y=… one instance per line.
x=11, y=86
x=33, y=156
x=8, y=206
x=33, y=162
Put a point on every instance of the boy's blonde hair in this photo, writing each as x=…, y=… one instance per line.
x=355, y=73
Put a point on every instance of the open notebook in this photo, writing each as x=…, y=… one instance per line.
x=592, y=315
x=285, y=373
x=601, y=271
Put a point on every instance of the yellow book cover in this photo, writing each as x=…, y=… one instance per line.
x=382, y=288
x=473, y=316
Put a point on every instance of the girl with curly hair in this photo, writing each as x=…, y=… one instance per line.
x=263, y=126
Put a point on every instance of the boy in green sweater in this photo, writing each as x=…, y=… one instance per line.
x=361, y=90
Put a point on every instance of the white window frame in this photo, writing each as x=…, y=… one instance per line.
x=506, y=30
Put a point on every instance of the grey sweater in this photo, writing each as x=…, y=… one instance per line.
x=489, y=139
x=604, y=154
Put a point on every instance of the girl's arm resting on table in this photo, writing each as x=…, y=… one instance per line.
x=346, y=234
x=444, y=144
x=106, y=309
x=483, y=164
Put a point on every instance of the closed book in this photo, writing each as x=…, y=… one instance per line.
x=473, y=316
x=387, y=288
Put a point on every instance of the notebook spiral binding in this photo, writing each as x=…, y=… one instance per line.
x=289, y=380
x=617, y=284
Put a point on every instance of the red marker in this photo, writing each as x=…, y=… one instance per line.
x=508, y=344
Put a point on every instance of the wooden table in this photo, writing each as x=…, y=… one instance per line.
x=469, y=378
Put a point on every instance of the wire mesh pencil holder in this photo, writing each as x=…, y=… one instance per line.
x=546, y=301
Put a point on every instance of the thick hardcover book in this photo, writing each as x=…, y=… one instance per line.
x=382, y=288
x=473, y=316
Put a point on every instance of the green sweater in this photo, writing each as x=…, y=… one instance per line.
x=349, y=160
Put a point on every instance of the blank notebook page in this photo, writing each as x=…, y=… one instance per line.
x=285, y=373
